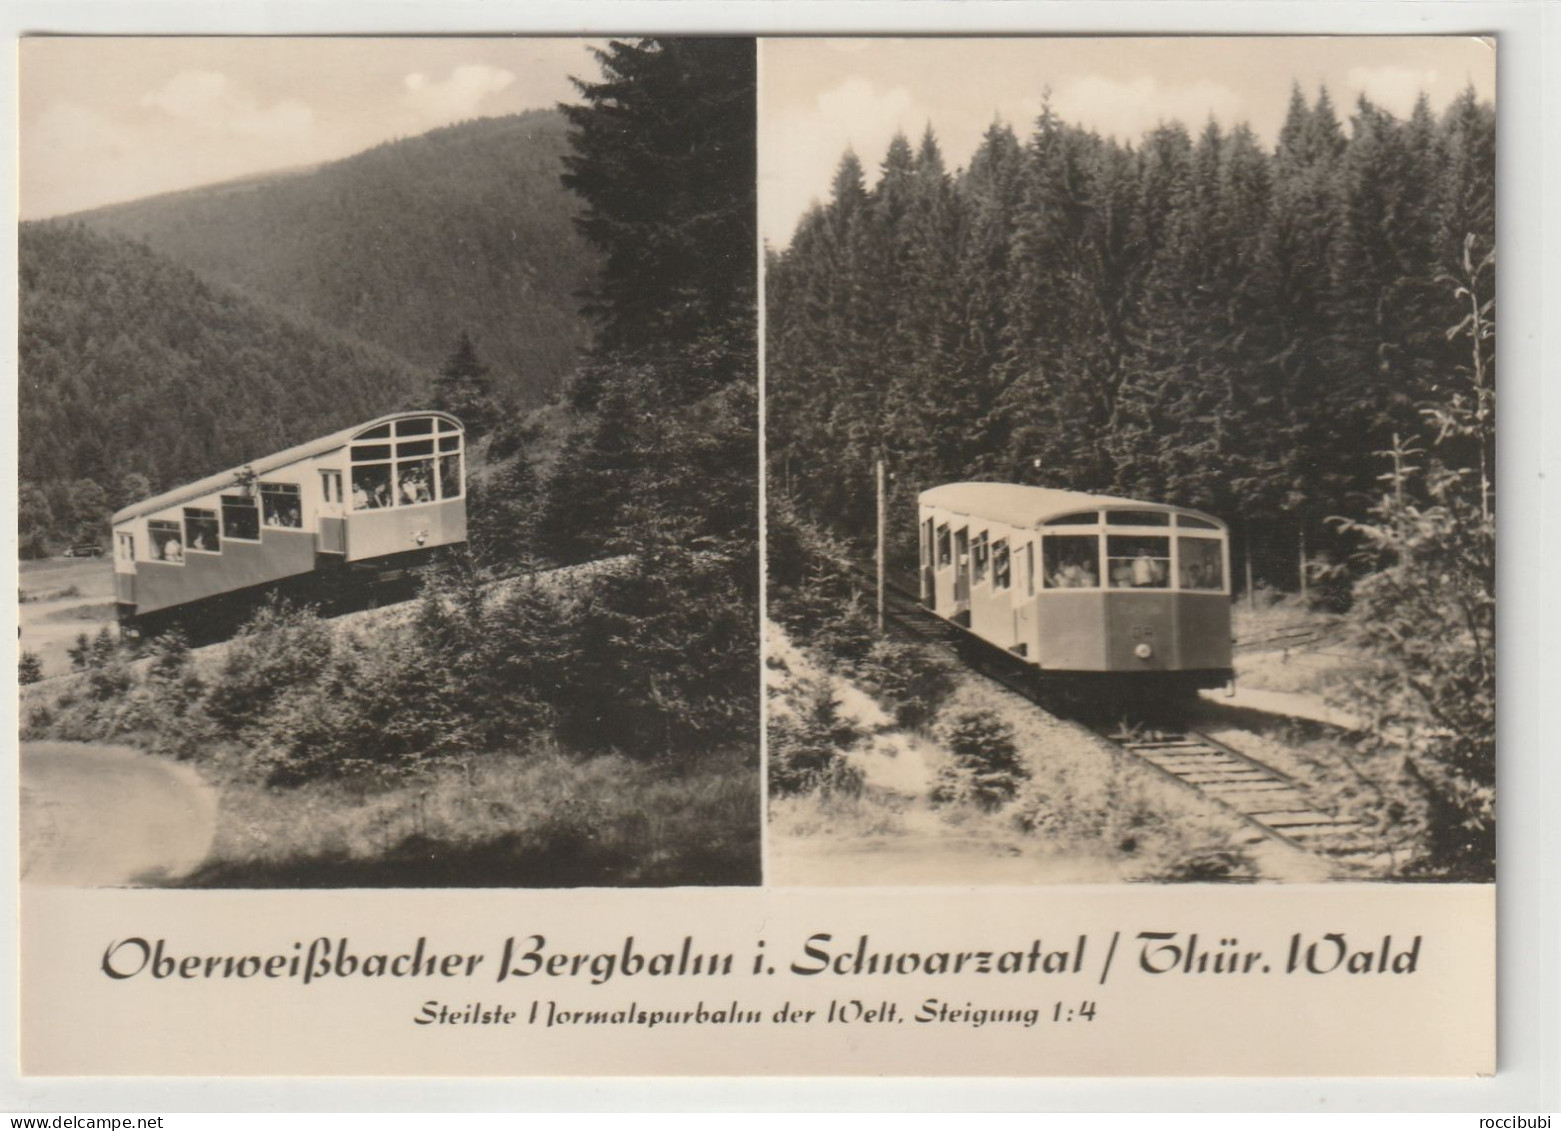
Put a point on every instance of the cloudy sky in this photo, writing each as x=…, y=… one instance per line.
x=819, y=97
x=105, y=119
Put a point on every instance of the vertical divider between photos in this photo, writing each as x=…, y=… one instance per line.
x=762, y=455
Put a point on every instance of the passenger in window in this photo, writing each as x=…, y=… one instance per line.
x=414, y=487
x=173, y=551
x=1147, y=572
x=1078, y=575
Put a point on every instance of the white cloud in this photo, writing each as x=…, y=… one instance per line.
x=1393, y=88
x=802, y=148
x=1127, y=110
x=865, y=116
x=212, y=102
x=440, y=101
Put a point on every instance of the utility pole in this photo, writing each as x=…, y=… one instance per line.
x=878, y=476
x=1303, y=559
x=1251, y=596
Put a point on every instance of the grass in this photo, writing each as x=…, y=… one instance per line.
x=865, y=815
x=1286, y=644
x=545, y=819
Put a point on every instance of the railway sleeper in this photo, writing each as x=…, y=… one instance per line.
x=1274, y=789
x=1204, y=776
x=1285, y=820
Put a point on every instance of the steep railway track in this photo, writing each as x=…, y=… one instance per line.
x=1271, y=802
x=1274, y=803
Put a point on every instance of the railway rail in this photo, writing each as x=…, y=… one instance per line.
x=1271, y=802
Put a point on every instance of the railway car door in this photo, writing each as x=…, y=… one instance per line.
x=1026, y=624
x=962, y=571
x=929, y=577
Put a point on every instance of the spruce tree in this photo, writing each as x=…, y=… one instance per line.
x=662, y=154
x=463, y=390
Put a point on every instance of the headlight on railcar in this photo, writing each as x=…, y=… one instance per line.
x=1143, y=651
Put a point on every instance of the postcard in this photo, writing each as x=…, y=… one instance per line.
x=725, y=556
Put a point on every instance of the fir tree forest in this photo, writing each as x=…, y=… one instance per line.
x=1191, y=318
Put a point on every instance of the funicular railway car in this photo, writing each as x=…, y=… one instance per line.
x=343, y=516
x=1089, y=586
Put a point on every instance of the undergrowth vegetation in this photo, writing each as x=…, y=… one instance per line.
x=464, y=726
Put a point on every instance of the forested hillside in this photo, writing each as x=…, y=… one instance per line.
x=1193, y=319
x=137, y=375
x=406, y=245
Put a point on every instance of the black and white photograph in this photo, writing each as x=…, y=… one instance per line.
x=949, y=549
x=1130, y=459
x=388, y=463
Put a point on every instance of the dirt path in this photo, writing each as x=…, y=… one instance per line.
x=914, y=861
x=104, y=816
x=1293, y=704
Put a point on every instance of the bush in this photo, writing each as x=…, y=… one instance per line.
x=1425, y=615
x=808, y=744
x=913, y=684
x=109, y=680
x=1203, y=866
x=29, y=668
x=664, y=657
x=280, y=648
x=984, y=768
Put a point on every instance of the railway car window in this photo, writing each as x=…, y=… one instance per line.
x=415, y=448
x=380, y=433
x=1070, y=561
x=1200, y=563
x=418, y=426
x=280, y=505
x=240, y=518
x=127, y=547
x=449, y=443
x=450, y=477
x=371, y=487
x=1029, y=569
x=330, y=486
x=1083, y=518
x=414, y=482
x=1002, y=575
x=1134, y=562
x=945, y=546
x=167, y=540
x=201, y=531
x=366, y=453
x=928, y=549
x=1137, y=518
x=446, y=426
x=1196, y=523
x=981, y=555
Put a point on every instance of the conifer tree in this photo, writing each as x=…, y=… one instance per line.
x=663, y=156
x=463, y=390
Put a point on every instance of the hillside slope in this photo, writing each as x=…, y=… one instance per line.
x=405, y=245
x=130, y=363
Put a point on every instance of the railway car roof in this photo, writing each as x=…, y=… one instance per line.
x=1021, y=506
x=261, y=466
